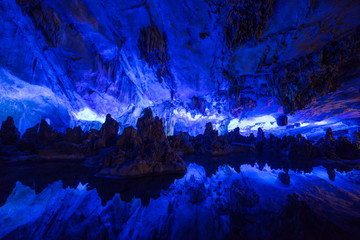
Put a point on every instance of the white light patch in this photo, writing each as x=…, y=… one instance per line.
x=87, y=114
x=266, y=122
x=321, y=122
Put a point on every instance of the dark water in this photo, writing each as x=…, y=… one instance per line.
x=235, y=160
x=38, y=175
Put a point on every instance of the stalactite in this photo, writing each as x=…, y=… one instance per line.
x=153, y=48
x=246, y=20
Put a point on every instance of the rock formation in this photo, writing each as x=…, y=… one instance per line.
x=108, y=133
x=284, y=178
x=142, y=152
x=282, y=120
x=147, y=151
x=9, y=134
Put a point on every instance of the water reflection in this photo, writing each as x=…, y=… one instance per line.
x=38, y=175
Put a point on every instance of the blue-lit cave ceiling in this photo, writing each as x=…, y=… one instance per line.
x=233, y=63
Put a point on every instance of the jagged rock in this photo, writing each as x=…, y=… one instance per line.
x=282, y=120
x=31, y=134
x=252, y=137
x=108, y=133
x=301, y=149
x=346, y=149
x=208, y=129
x=342, y=148
x=210, y=133
x=273, y=144
x=260, y=135
x=329, y=135
x=260, y=140
x=29, y=140
x=236, y=137
x=211, y=142
x=182, y=143
x=62, y=150
x=129, y=140
x=74, y=135
x=150, y=129
x=284, y=178
x=357, y=136
x=91, y=135
x=46, y=134
x=331, y=173
x=142, y=152
x=9, y=134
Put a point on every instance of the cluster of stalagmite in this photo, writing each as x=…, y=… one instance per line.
x=147, y=151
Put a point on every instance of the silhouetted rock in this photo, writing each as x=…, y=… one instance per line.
x=342, y=148
x=331, y=173
x=90, y=145
x=302, y=149
x=260, y=140
x=211, y=142
x=260, y=135
x=282, y=120
x=357, y=136
x=150, y=129
x=329, y=135
x=129, y=139
x=284, y=178
x=30, y=134
x=181, y=143
x=74, y=135
x=208, y=129
x=108, y=133
x=142, y=152
x=346, y=149
x=9, y=134
x=46, y=134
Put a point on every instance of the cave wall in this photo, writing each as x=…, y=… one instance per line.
x=72, y=62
